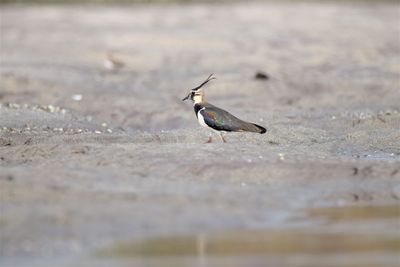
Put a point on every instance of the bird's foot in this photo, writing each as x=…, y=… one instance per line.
x=222, y=138
x=209, y=140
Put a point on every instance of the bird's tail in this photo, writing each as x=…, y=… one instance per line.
x=261, y=129
x=252, y=127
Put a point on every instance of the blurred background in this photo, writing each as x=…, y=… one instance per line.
x=102, y=164
x=316, y=54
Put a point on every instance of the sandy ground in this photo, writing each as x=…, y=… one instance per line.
x=91, y=157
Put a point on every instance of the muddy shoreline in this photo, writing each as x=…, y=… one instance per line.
x=99, y=164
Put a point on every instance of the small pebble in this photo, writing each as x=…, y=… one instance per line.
x=261, y=76
x=50, y=108
x=76, y=97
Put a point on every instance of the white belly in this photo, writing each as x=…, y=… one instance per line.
x=200, y=118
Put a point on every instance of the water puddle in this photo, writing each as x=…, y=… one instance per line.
x=307, y=246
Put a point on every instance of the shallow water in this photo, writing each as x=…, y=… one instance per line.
x=314, y=245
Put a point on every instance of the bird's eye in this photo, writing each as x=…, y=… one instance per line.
x=192, y=95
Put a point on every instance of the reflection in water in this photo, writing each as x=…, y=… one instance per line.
x=312, y=246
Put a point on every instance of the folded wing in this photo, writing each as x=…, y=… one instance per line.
x=222, y=120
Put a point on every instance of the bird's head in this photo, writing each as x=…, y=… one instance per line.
x=196, y=94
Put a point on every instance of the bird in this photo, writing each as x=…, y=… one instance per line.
x=215, y=118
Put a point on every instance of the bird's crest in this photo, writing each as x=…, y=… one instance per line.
x=209, y=78
x=196, y=94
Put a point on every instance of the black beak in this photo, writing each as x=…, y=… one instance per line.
x=186, y=98
x=209, y=78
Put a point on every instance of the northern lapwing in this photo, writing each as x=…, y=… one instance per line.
x=215, y=118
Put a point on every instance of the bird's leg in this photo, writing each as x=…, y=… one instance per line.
x=222, y=137
x=209, y=139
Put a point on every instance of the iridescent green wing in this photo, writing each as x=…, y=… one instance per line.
x=220, y=119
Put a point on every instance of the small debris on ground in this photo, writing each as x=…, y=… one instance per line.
x=113, y=63
x=261, y=76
